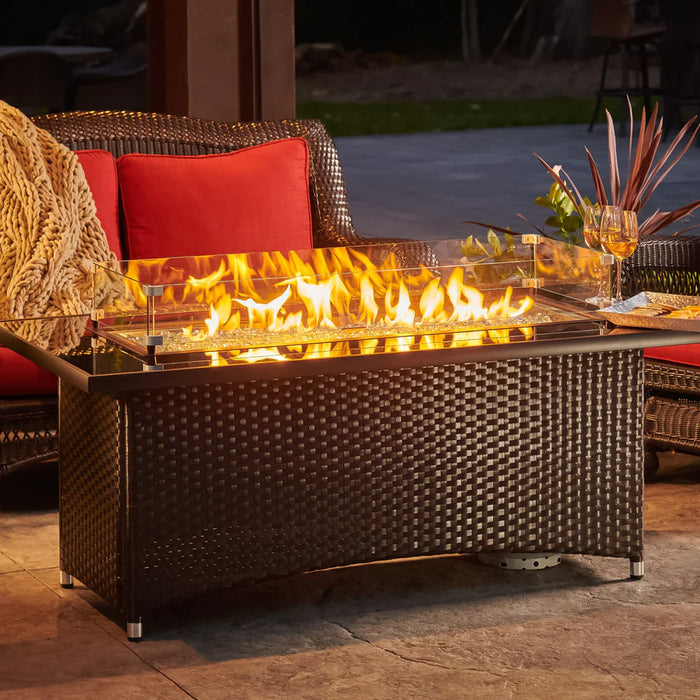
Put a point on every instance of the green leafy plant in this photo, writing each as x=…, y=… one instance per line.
x=474, y=248
x=646, y=169
x=500, y=260
x=566, y=219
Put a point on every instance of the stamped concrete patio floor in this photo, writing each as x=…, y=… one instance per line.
x=446, y=627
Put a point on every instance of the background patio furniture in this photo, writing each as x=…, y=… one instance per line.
x=35, y=80
x=119, y=84
x=668, y=264
x=73, y=53
x=680, y=62
x=614, y=20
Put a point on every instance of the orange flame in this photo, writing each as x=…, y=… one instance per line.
x=331, y=301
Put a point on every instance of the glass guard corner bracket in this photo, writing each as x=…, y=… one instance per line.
x=96, y=315
x=531, y=239
x=607, y=259
x=152, y=290
x=152, y=367
x=532, y=282
x=152, y=341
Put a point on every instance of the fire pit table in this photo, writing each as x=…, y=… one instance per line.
x=233, y=418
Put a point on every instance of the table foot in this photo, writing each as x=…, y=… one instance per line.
x=636, y=569
x=66, y=580
x=134, y=630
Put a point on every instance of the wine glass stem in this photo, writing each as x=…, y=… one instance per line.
x=618, y=287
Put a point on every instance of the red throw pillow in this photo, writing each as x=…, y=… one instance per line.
x=682, y=354
x=100, y=170
x=20, y=376
x=254, y=199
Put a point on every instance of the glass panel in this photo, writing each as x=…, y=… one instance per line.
x=571, y=273
x=326, y=302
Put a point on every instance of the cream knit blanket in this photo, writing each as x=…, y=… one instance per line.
x=49, y=232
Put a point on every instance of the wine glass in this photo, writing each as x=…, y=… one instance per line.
x=619, y=235
x=591, y=226
x=592, y=222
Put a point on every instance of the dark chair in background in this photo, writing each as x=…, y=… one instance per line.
x=614, y=20
x=119, y=84
x=37, y=81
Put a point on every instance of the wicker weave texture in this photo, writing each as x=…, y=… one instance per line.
x=91, y=491
x=671, y=423
x=672, y=378
x=668, y=264
x=663, y=263
x=28, y=432
x=245, y=481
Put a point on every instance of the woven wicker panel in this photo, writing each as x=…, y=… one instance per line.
x=672, y=378
x=661, y=280
x=28, y=432
x=90, y=490
x=664, y=264
x=672, y=424
x=265, y=478
x=661, y=250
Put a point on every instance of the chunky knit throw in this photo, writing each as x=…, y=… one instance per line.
x=49, y=232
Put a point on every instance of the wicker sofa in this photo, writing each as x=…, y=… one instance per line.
x=28, y=420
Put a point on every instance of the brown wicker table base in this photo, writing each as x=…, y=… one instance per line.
x=170, y=492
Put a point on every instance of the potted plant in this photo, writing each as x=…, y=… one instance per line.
x=647, y=167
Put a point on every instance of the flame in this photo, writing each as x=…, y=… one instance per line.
x=260, y=354
x=215, y=358
x=213, y=321
x=326, y=302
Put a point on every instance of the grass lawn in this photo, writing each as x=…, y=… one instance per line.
x=354, y=119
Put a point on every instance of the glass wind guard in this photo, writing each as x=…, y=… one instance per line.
x=571, y=273
x=329, y=302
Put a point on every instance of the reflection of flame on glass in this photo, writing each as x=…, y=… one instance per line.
x=338, y=301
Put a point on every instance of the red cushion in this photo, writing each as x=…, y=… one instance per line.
x=20, y=376
x=682, y=354
x=100, y=170
x=254, y=199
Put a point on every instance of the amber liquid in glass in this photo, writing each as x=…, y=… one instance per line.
x=621, y=249
x=608, y=234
